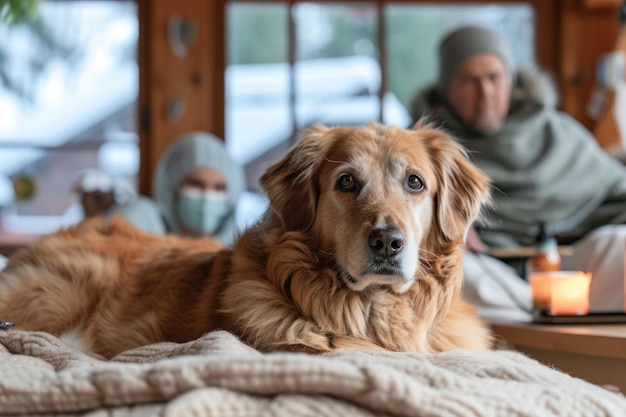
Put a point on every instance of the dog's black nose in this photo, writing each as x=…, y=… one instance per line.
x=386, y=242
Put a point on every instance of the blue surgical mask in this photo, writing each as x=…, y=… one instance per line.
x=202, y=212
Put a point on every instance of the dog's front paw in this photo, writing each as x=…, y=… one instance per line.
x=312, y=339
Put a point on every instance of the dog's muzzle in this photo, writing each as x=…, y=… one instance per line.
x=386, y=263
x=385, y=244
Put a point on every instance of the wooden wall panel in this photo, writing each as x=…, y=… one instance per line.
x=586, y=34
x=193, y=83
x=597, y=4
x=547, y=26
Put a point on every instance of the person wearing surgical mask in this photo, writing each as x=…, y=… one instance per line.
x=197, y=186
x=198, y=190
x=202, y=203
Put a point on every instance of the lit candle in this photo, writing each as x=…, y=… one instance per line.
x=540, y=285
x=561, y=292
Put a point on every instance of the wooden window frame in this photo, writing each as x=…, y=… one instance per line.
x=199, y=80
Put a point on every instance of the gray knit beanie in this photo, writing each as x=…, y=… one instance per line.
x=466, y=42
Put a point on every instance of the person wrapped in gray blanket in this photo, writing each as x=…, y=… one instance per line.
x=550, y=178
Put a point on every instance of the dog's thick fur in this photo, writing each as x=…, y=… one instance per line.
x=361, y=249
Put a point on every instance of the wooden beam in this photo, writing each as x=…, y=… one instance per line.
x=180, y=90
x=584, y=36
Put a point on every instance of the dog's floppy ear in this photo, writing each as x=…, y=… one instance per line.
x=462, y=188
x=290, y=183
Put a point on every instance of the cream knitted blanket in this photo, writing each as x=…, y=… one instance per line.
x=217, y=375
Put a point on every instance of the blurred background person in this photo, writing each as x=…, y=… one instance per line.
x=197, y=188
x=551, y=180
x=101, y=194
x=98, y=192
x=549, y=174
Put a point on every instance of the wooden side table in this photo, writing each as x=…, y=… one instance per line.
x=593, y=352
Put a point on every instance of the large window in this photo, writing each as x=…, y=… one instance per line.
x=68, y=88
x=69, y=85
x=339, y=63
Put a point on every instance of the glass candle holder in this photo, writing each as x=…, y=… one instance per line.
x=561, y=292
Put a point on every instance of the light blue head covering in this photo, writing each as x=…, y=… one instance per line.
x=191, y=151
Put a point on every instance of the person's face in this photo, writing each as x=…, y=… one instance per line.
x=96, y=203
x=202, y=202
x=206, y=179
x=480, y=92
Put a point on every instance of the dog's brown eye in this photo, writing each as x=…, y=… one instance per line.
x=415, y=183
x=346, y=182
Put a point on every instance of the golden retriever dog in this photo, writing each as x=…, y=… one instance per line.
x=361, y=249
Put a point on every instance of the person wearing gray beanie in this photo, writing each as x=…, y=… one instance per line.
x=476, y=77
x=469, y=41
x=550, y=178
